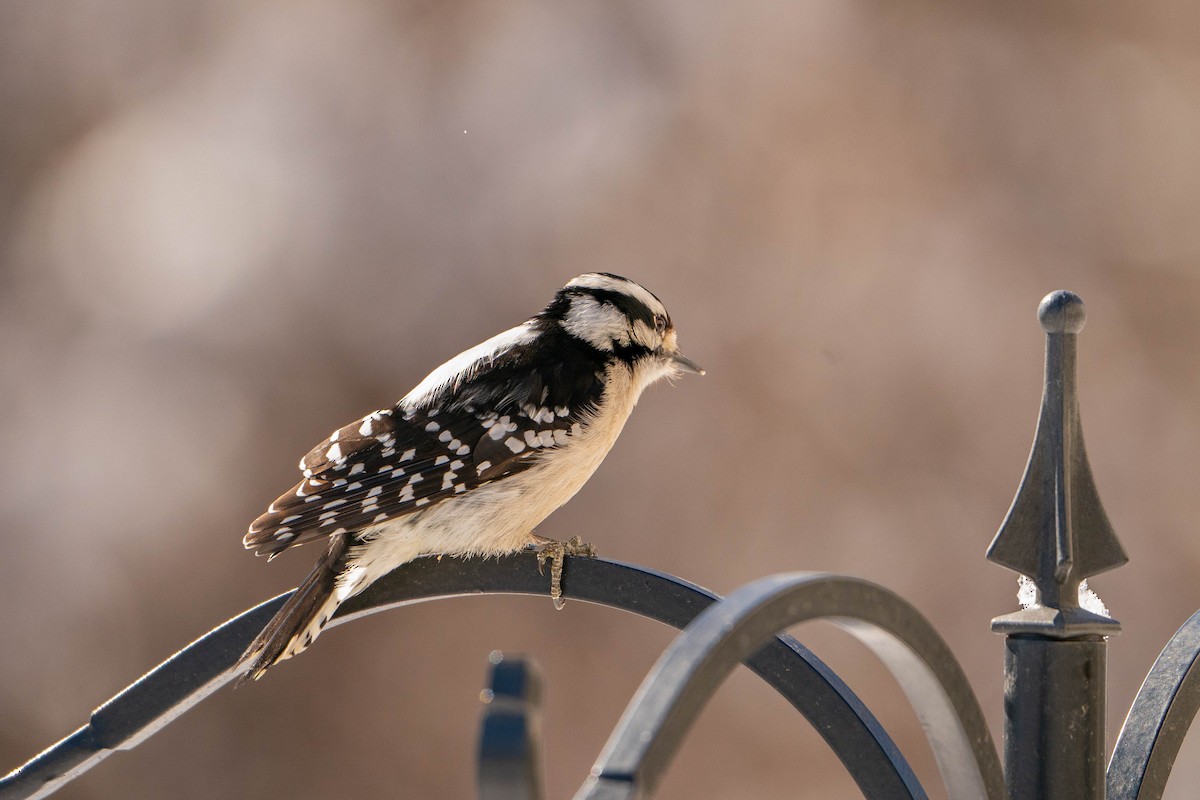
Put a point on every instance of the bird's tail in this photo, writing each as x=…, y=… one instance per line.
x=302, y=617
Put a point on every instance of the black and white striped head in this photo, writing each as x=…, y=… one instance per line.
x=619, y=317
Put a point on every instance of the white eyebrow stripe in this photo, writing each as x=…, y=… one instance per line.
x=603, y=283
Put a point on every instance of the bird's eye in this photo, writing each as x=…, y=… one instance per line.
x=660, y=323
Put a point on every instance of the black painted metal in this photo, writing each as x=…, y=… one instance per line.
x=207, y=664
x=1057, y=534
x=142, y=708
x=1056, y=531
x=1158, y=720
x=688, y=673
x=510, y=740
x=1055, y=747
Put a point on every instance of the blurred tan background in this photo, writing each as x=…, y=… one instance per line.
x=227, y=228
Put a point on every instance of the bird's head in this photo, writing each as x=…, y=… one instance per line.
x=619, y=317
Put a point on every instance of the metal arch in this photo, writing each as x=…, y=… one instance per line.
x=687, y=674
x=207, y=664
x=1158, y=720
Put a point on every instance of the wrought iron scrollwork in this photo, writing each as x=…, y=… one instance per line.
x=695, y=664
x=1158, y=720
x=207, y=664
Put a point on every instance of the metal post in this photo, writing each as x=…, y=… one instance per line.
x=510, y=739
x=1057, y=534
x=1054, y=717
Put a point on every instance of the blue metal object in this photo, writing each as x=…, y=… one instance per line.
x=510, y=740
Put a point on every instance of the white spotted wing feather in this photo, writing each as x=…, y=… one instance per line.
x=396, y=461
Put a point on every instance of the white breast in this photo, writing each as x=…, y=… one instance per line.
x=498, y=517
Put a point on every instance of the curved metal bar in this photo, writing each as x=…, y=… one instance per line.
x=207, y=664
x=1158, y=720
x=687, y=674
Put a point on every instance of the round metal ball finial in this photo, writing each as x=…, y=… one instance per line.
x=1062, y=312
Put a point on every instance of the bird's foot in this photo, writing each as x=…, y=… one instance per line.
x=555, y=552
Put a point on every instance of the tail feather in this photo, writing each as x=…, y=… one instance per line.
x=300, y=620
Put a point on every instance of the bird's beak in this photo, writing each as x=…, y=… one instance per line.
x=686, y=364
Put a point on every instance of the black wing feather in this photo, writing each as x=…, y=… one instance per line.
x=401, y=460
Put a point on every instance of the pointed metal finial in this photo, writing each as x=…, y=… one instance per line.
x=1056, y=531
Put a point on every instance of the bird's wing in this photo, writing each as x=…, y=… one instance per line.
x=484, y=415
x=397, y=461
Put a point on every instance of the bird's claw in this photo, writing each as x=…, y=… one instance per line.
x=556, y=552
